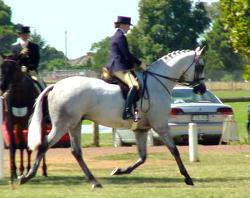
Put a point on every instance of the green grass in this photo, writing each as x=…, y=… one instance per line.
x=232, y=94
x=240, y=113
x=218, y=175
x=105, y=139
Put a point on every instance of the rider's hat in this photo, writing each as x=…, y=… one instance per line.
x=23, y=30
x=123, y=20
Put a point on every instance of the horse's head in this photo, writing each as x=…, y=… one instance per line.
x=9, y=67
x=194, y=74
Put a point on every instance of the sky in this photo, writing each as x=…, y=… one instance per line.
x=76, y=24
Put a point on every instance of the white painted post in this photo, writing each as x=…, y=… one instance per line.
x=193, y=142
x=1, y=140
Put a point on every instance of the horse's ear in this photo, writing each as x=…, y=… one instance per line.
x=199, y=50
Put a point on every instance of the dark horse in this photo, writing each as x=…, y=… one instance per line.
x=20, y=94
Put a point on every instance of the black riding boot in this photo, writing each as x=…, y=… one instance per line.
x=127, y=113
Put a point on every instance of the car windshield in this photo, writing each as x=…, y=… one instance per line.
x=188, y=96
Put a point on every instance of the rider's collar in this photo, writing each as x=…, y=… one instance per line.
x=23, y=43
x=122, y=31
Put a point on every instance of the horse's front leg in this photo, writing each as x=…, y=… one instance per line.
x=12, y=151
x=141, y=141
x=21, y=167
x=168, y=140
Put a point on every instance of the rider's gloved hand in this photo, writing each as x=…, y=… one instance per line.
x=24, y=68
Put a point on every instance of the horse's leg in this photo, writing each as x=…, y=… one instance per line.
x=21, y=146
x=12, y=150
x=32, y=172
x=168, y=140
x=44, y=167
x=21, y=168
x=141, y=141
x=75, y=141
x=48, y=142
x=28, y=159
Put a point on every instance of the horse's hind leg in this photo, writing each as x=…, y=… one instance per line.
x=28, y=159
x=44, y=167
x=32, y=172
x=52, y=138
x=141, y=140
x=75, y=140
x=168, y=140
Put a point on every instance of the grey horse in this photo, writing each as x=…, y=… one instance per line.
x=74, y=99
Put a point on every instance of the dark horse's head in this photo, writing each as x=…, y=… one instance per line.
x=9, y=68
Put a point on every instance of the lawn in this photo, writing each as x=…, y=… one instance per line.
x=232, y=94
x=240, y=114
x=220, y=173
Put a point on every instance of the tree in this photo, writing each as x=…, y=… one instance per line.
x=220, y=57
x=7, y=33
x=235, y=18
x=100, y=54
x=48, y=54
x=165, y=26
x=57, y=64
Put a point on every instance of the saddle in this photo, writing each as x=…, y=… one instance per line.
x=109, y=78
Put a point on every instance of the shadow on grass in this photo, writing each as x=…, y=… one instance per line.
x=122, y=180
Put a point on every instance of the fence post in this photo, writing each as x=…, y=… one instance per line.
x=96, y=141
x=193, y=142
x=1, y=140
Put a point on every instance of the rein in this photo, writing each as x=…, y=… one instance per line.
x=9, y=60
x=145, y=92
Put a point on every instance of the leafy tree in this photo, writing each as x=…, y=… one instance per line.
x=220, y=56
x=100, y=54
x=7, y=34
x=165, y=26
x=56, y=64
x=48, y=53
x=235, y=18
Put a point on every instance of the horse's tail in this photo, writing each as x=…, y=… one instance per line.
x=35, y=126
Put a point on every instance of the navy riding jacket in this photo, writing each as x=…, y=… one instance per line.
x=31, y=61
x=121, y=59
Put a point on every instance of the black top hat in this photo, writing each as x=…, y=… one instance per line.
x=123, y=20
x=23, y=30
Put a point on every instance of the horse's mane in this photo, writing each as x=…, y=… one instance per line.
x=173, y=54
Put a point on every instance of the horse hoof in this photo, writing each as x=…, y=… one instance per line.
x=189, y=181
x=116, y=171
x=21, y=179
x=96, y=186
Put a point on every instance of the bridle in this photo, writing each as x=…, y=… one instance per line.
x=15, y=67
x=195, y=82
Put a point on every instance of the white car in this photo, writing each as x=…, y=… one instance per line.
x=207, y=111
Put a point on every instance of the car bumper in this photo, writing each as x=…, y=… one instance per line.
x=208, y=129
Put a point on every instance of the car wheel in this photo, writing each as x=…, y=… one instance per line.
x=117, y=140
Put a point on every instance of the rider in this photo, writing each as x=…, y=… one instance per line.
x=28, y=54
x=122, y=62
